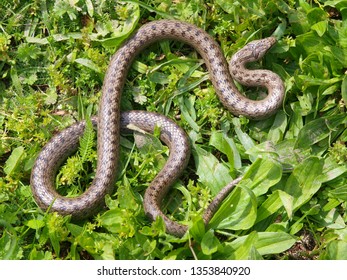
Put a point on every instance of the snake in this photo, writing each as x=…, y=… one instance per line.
x=110, y=121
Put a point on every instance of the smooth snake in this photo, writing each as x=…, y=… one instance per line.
x=110, y=120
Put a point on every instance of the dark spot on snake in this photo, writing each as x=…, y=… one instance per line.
x=197, y=33
x=239, y=77
x=205, y=38
x=153, y=27
x=213, y=46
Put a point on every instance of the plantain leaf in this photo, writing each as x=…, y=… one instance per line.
x=264, y=242
x=238, y=211
x=318, y=130
x=211, y=172
x=209, y=243
x=88, y=63
x=226, y=145
x=336, y=250
x=273, y=203
x=344, y=90
x=14, y=160
x=305, y=181
x=340, y=192
x=264, y=173
x=248, y=248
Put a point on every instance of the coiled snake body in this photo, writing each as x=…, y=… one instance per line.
x=110, y=120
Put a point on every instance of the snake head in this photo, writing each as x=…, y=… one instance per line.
x=258, y=48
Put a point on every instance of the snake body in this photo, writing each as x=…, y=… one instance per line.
x=110, y=120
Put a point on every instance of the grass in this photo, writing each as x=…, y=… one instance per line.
x=291, y=203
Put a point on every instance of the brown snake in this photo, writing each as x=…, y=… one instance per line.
x=110, y=120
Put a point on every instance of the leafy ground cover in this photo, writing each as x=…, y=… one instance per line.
x=291, y=203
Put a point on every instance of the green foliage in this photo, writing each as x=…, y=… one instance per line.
x=75, y=165
x=53, y=56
